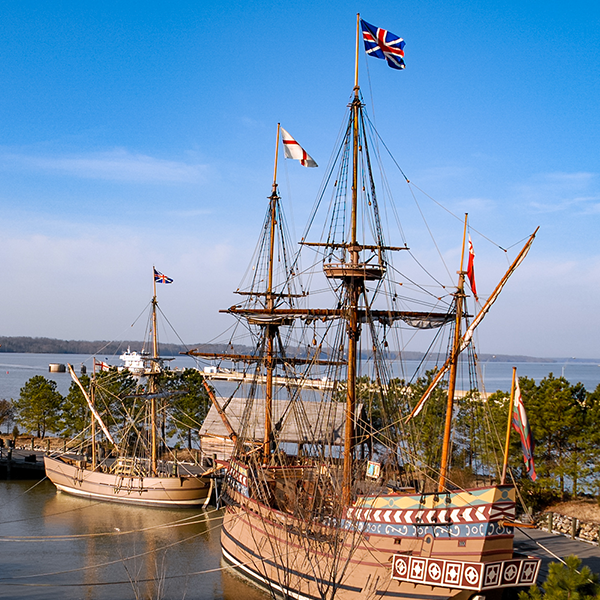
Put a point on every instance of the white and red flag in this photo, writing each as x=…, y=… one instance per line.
x=471, y=269
x=292, y=149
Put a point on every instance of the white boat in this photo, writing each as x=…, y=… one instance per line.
x=135, y=362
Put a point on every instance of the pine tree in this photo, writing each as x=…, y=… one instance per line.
x=38, y=406
x=566, y=582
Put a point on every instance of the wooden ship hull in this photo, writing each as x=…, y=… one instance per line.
x=450, y=545
x=73, y=477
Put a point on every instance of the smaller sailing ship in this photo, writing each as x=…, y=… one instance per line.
x=131, y=471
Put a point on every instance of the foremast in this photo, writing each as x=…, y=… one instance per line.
x=271, y=328
x=269, y=317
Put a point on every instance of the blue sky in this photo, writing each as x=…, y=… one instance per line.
x=135, y=134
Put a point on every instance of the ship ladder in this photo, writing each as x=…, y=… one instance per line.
x=78, y=477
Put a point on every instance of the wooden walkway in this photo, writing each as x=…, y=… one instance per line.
x=548, y=546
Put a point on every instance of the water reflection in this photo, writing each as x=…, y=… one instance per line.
x=59, y=546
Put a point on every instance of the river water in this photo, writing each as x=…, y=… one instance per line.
x=53, y=545
x=16, y=369
x=57, y=546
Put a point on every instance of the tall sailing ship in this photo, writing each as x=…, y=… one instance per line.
x=391, y=501
x=132, y=470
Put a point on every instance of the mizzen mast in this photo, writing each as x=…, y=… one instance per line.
x=459, y=303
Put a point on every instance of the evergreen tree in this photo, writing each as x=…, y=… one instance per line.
x=426, y=430
x=556, y=411
x=76, y=413
x=7, y=411
x=188, y=409
x=566, y=582
x=38, y=406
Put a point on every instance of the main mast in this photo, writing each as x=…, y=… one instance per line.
x=152, y=384
x=354, y=286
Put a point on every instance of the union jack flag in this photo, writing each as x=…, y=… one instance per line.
x=383, y=44
x=160, y=278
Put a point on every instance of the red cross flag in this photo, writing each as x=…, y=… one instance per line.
x=292, y=149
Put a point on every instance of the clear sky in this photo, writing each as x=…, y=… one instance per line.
x=141, y=133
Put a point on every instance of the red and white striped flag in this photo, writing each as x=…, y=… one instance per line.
x=292, y=149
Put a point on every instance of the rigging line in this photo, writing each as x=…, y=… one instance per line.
x=289, y=202
x=172, y=328
x=461, y=219
x=425, y=270
x=107, y=563
x=418, y=286
x=430, y=197
x=512, y=245
x=538, y=543
x=142, y=313
x=222, y=333
x=128, y=582
x=330, y=169
x=370, y=86
x=388, y=150
x=423, y=192
x=34, y=485
x=429, y=230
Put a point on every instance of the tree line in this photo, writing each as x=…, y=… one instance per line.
x=122, y=402
x=42, y=345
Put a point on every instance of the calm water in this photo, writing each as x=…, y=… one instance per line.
x=53, y=545
x=16, y=369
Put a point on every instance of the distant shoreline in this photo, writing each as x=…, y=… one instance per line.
x=42, y=345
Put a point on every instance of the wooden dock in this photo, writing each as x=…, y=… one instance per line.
x=21, y=464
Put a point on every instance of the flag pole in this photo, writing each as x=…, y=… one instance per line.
x=276, y=156
x=508, y=426
x=357, y=54
x=154, y=281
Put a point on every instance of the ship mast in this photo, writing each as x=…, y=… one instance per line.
x=270, y=329
x=93, y=424
x=459, y=302
x=152, y=383
x=354, y=288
